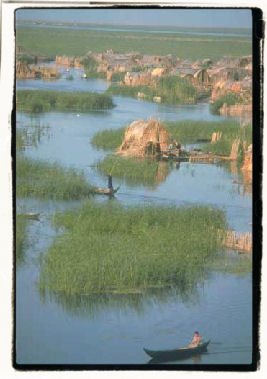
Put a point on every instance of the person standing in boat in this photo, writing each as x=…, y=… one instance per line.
x=196, y=341
x=110, y=186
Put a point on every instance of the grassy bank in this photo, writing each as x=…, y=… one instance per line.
x=35, y=101
x=108, y=248
x=44, y=180
x=172, y=90
x=108, y=139
x=135, y=171
x=52, y=42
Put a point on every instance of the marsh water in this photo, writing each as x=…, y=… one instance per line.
x=113, y=329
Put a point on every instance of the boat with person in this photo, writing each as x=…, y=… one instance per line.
x=107, y=191
x=176, y=354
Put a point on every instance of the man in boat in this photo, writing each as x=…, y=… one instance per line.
x=110, y=186
x=196, y=341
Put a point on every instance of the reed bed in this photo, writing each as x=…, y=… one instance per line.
x=35, y=101
x=171, y=90
x=174, y=90
x=131, y=91
x=30, y=135
x=229, y=134
x=193, y=130
x=21, y=238
x=108, y=248
x=228, y=99
x=95, y=75
x=118, y=76
x=44, y=180
x=108, y=139
x=134, y=171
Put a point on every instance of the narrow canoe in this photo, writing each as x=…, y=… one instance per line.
x=180, y=353
x=107, y=191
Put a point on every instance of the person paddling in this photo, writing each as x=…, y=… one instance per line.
x=196, y=341
x=110, y=186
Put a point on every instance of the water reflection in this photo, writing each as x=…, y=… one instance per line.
x=30, y=134
x=90, y=306
x=196, y=359
x=187, y=292
x=242, y=178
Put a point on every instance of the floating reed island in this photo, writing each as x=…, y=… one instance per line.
x=140, y=148
x=109, y=248
x=36, y=101
x=223, y=139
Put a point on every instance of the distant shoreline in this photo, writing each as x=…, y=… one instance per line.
x=194, y=30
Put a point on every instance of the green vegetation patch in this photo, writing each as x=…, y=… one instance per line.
x=171, y=89
x=108, y=139
x=90, y=68
x=229, y=134
x=21, y=238
x=176, y=90
x=27, y=59
x=108, y=248
x=35, y=101
x=118, y=76
x=194, y=131
x=96, y=75
x=30, y=135
x=52, y=42
x=131, y=91
x=135, y=171
x=230, y=98
x=44, y=180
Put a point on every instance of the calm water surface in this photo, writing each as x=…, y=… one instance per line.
x=114, y=329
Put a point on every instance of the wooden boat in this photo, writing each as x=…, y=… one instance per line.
x=176, y=354
x=107, y=191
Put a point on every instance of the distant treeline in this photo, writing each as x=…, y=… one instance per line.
x=36, y=101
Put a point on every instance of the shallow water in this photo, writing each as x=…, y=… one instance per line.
x=115, y=329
